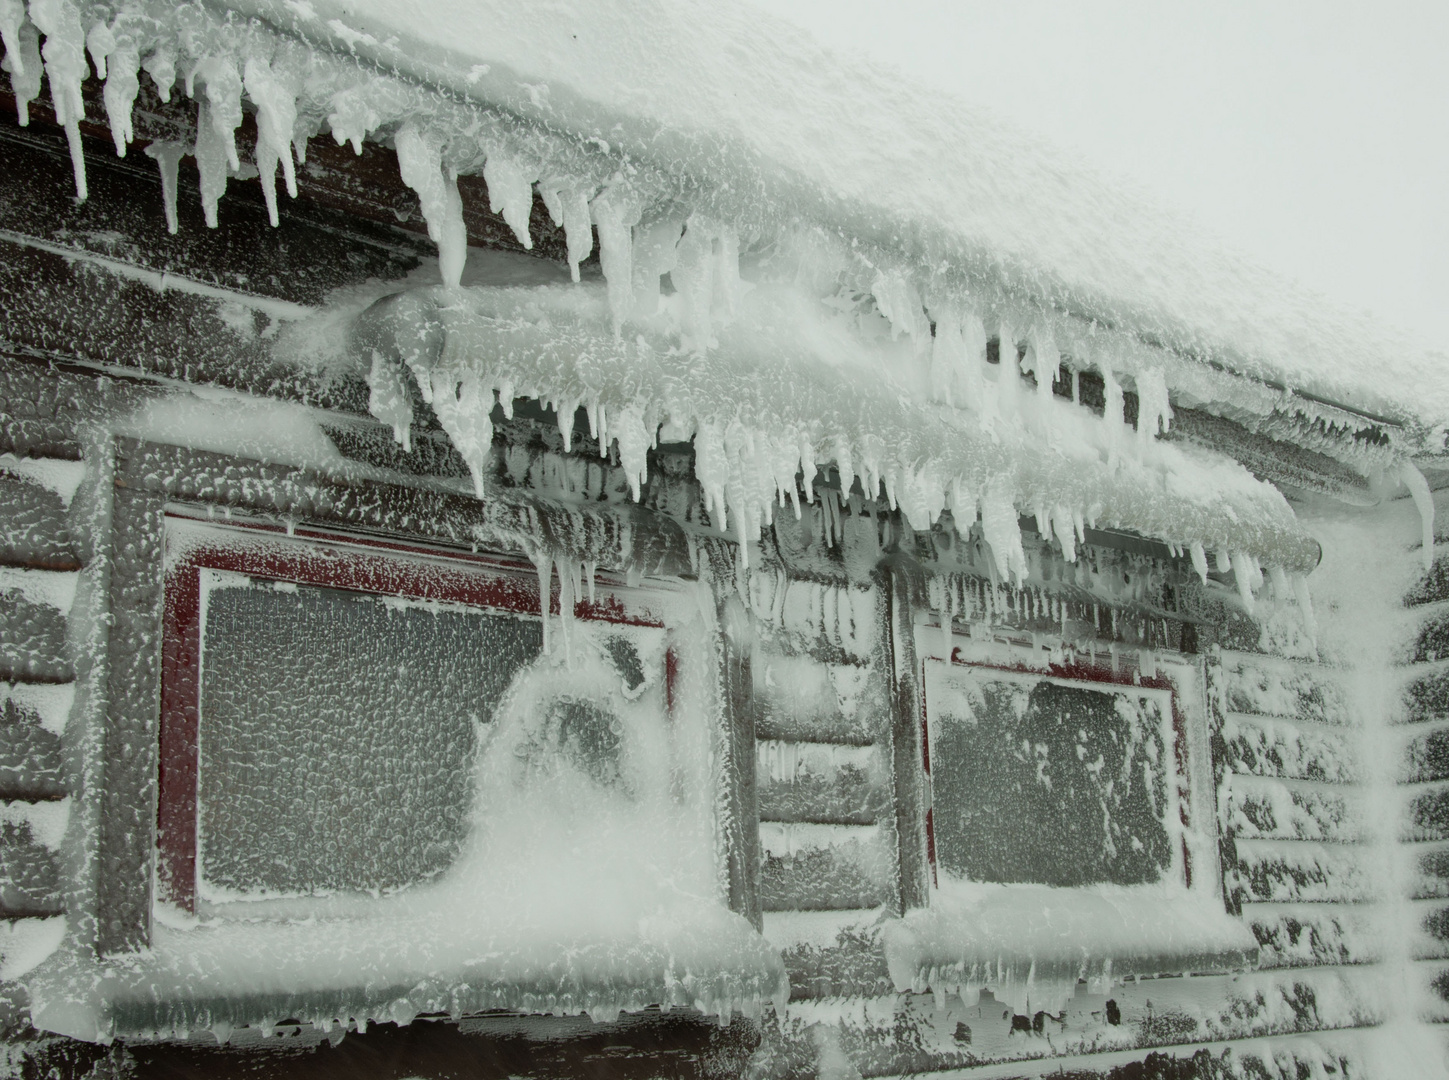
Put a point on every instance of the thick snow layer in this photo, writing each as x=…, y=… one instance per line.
x=642, y=117
x=743, y=111
x=791, y=385
x=1030, y=944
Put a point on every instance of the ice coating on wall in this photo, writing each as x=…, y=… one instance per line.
x=790, y=387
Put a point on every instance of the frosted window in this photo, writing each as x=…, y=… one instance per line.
x=338, y=733
x=1045, y=780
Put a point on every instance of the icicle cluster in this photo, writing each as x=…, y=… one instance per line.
x=747, y=467
x=769, y=407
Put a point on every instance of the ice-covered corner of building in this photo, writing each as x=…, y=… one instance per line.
x=551, y=535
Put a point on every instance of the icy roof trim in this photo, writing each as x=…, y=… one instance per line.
x=787, y=389
x=748, y=116
x=619, y=114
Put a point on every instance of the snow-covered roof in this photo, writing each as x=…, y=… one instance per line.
x=723, y=97
x=701, y=141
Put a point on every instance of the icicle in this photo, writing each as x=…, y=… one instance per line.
x=464, y=408
x=161, y=66
x=210, y=163
x=510, y=190
x=1424, y=502
x=66, y=68
x=947, y=353
x=1224, y=561
x=1243, y=574
x=567, y=597
x=1112, y=415
x=568, y=206
x=1199, y=560
x=100, y=43
x=711, y=469
x=565, y=411
x=615, y=212
x=1063, y=525
x=387, y=399
x=543, y=563
x=1008, y=371
x=634, y=439
x=900, y=303
x=122, y=85
x=22, y=61
x=223, y=87
x=1154, y=411
x=1002, y=532
x=167, y=156
x=276, y=118
x=1043, y=360
x=419, y=161
x=694, y=279
x=655, y=252
x=727, y=283
x=12, y=16
x=1279, y=581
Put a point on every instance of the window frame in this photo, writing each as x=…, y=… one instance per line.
x=1196, y=865
x=326, y=559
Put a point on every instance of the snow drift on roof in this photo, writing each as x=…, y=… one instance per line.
x=615, y=110
x=724, y=97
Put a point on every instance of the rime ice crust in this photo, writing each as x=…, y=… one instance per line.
x=684, y=101
x=791, y=386
x=846, y=193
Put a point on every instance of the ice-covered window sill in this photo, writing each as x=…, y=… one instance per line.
x=1030, y=945
x=355, y=971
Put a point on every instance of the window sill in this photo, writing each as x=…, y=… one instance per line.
x=1031, y=944
x=223, y=974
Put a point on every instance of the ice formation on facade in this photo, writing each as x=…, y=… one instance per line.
x=782, y=351
x=1209, y=306
x=859, y=154
x=646, y=229
x=1030, y=946
x=789, y=387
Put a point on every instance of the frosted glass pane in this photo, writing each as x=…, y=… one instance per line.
x=1042, y=781
x=337, y=735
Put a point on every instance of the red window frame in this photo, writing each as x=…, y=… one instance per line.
x=305, y=557
x=1078, y=672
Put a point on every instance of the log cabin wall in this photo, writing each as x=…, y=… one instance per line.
x=105, y=311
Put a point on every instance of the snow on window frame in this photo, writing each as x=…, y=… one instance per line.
x=359, y=564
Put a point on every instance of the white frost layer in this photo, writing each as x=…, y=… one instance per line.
x=790, y=387
x=1029, y=944
x=61, y=477
x=52, y=588
x=25, y=943
x=49, y=702
x=46, y=821
x=769, y=118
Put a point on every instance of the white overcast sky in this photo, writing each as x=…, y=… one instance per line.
x=1312, y=136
